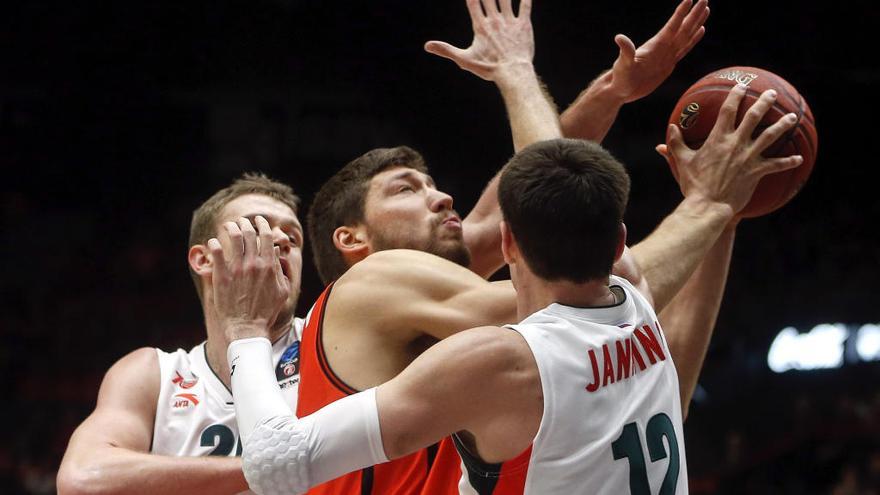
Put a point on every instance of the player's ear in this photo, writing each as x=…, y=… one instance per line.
x=621, y=242
x=352, y=242
x=509, y=249
x=199, y=260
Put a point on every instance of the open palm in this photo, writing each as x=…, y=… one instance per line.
x=639, y=71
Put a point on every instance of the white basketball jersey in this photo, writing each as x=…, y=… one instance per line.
x=612, y=416
x=195, y=415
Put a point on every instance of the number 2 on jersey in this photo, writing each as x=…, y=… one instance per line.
x=221, y=438
x=629, y=445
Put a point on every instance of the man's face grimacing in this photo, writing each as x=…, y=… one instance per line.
x=404, y=210
x=287, y=234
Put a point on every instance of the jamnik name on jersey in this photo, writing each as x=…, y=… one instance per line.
x=628, y=359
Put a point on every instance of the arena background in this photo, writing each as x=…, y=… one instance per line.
x=116, y=121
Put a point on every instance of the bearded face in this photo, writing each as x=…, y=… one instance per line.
x=404, y=210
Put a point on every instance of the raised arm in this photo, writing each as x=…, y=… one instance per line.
x=502, y=51
x=636, y=73
x=109, y=452
x=690, y=317
x=717, y=181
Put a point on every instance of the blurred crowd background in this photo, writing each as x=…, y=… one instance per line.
x=117, y=120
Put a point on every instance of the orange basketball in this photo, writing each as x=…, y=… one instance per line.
x=696, y=111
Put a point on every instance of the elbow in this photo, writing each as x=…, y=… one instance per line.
x=276, y=460
x=73, y=482
x=81, y=481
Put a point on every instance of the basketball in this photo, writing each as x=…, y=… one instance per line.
x=697, y=109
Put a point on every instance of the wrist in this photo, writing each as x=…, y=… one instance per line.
x=244, y=329
x=514, y=75
x=706, y=208
x=605, y=88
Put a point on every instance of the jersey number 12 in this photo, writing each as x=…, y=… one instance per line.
x=629, y=445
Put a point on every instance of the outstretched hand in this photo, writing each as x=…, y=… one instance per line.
x=248, y=284
x=637, y=72
x=729, y=165
x=502, y=39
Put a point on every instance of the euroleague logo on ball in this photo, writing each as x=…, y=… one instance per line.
x=689, y=115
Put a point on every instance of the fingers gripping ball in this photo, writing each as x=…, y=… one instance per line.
x=695, y=115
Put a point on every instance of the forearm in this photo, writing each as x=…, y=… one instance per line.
x=113, y=470
x=481, y=233
x=532, y=114
x=672, y=252
x=689, y=319
x=533, y=118
x=593, y=112
x=283, y=454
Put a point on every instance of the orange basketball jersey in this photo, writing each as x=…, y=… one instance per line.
x=409, y=475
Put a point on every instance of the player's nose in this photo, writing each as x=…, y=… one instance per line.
x=282, y=240
x=439, y=200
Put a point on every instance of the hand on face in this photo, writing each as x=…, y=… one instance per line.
x=249, y=286
x=727, y=168
x=502, y=40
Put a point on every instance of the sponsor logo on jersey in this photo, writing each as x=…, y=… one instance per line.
x=288, y=365
x=289, y=383
x=182, y=383
x=180, y=401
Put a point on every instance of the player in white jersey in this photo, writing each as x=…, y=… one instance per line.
x=164, y=422
x=195, y=413
x=582, y=397
x=631, y=388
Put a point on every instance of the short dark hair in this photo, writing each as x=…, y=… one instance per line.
x=564, y=201
x=204, y=218
x=341, y=200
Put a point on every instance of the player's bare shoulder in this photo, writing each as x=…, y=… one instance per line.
x=401, y=265
x=387, y=276
x=410, y=294
x=134, y=376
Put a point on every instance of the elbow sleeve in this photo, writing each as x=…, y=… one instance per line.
x=284, y=455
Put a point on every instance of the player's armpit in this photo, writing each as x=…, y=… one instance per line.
x=411, y=293
x=490, y=387
x=108, y=452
